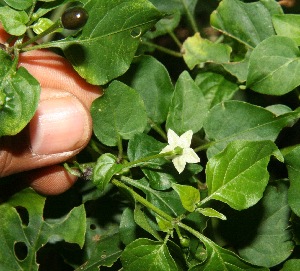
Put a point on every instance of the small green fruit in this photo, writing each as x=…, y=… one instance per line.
x=184, y=241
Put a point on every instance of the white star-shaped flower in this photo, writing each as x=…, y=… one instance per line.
x=183, y=142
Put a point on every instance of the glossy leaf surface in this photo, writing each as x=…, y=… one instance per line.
x=235, y=19
x=274, y=66
x=35, y=232
x=287, y=25
x=220, y=259
x=119, y=114
x=145, y=254
x=189, y=196
x=273, y=241
x=19, y=97
x=246, y=122
x=152, y=81
x=292, y=161
x=188, y=106
x=107, y=44
x=14, y=22
x=197, y=50
x=238, y=175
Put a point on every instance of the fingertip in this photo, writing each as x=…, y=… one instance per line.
x=53, y=180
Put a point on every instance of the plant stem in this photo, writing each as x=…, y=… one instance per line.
x=51, y=29
x=204, y=146
x=176, y=151
x=120, y=149
x=175, y=39
x=190, y=17
x=143, y=201
x=32, y=9
x=197, y=234
x=158, y=129
x=161, y=48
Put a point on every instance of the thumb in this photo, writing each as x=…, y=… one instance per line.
x=60, y=128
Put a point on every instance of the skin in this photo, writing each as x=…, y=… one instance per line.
x=33, y=156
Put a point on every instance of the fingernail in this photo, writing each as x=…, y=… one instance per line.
x=58, y=126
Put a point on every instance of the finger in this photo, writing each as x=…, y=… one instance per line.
x=54, y=71
x=60, y=129
x=52, y=180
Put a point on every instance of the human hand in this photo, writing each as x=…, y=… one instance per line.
x=59, y=130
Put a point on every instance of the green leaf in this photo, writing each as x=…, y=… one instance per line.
x=48, y=6
x=238, y=175
x=141, y=219
x=152, y=81
x=236, y=19
x=165, y=25
x=106, y=252
x=238, y=69
x=197, y=50
x=210, y=212
x=119, y=113
x=189, y=196
x=184, y=6
x=107, y=44
x=215, y=87
x=14, y=22
x=273, y=242
x=279, y=109
x=128, y=227
x=188, y=107
x=19, y=94
x=22, y=223
x=143, y=145
x=19, y=5
x=167, y=201
x=105, y=168
x=274, y=66
x=164, y=225
x=144, y=254
x=287, y=25
x=41, y=25
x=292, y=161
x=220, y=259
x=291, y=265
x=234, y=120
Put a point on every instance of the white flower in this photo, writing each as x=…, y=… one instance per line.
x=184, y=141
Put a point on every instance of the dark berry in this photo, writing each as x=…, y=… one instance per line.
x=74, y=18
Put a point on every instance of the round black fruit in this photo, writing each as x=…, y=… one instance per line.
x=74, y=18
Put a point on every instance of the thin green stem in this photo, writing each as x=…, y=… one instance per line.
x=162, y=49
x=39, y=46
x=51, y=29
x=204, y=146
x=190, y=17
x=144, y=188
x=192, y=231
x=176, y=151
x=32, y=9
x=143, y=201
x=175, y=39
x=178, y=231
x=120, y=148
x=158, y=129
x=56, y=15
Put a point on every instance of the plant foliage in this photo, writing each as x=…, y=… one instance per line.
x=226, y=72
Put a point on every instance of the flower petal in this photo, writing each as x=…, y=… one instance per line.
x=167, y=149
x=186, y=139
x=190, y=156
x=173, y=138
x=179, y=163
